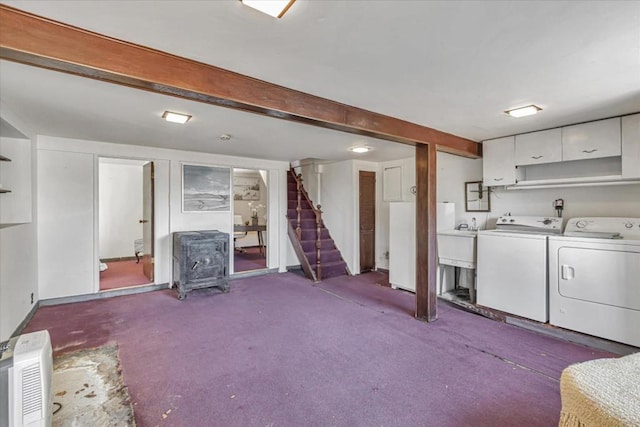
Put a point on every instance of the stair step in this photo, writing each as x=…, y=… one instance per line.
x=326, y=256
x=310, y=245
x=306, y=223
x=310, y=234
x=305, y=213
x=292, y=204
x=332, y=269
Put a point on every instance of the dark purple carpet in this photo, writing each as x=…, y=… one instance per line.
x=277, y=350
x=250, y=259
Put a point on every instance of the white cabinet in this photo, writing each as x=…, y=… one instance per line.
x=15, y=181
x=631, y=146
x=591, y=140
x=539, y=147
x=499, y=162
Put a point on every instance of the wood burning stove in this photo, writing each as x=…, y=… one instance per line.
x=200, y=260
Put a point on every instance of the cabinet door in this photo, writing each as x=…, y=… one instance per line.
x=539, y=147
x=499, y=162
x=591, y=140
x=631, y=146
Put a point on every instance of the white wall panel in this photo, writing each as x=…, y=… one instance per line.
x=66, y=260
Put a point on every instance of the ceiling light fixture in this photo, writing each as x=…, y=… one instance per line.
x=225, y=137
x=176, y=117
x=275, y=8
x=523, y=111
x=360, y=150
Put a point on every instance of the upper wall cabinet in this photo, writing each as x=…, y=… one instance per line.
x=499, y=162
x=591, y=140
x=15, y=181
x=631, y=146
x=539, y=147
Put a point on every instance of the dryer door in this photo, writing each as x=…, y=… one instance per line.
x=603, y=276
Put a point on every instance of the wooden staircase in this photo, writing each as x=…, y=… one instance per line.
x=316, y=250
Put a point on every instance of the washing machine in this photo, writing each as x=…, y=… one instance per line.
x=594, y=278
x=512, y=265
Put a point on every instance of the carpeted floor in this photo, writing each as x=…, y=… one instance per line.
x=249, y=259
x=346, y=352
x=122, y=274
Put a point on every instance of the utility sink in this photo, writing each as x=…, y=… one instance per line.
x=457, y=248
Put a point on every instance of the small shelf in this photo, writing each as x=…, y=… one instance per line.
x=4, y=159
x=4, y=190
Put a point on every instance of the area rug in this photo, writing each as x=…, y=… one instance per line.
x=88, y=389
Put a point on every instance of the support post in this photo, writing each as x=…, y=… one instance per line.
x=426, y=237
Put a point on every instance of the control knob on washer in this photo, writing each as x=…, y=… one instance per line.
x=581, y=224
x=629, y=225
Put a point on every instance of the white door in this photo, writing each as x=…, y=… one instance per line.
x=601, y=276
x=591, y=140
x=147, y=220
x=499, y=162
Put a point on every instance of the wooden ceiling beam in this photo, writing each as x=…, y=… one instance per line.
x=41, y=42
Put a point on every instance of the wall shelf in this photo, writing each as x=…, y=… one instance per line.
x=4, y=190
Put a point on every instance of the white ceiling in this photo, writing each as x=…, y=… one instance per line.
x=451, y=65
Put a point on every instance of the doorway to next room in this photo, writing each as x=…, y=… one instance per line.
x=250, y=200
x=125, y=219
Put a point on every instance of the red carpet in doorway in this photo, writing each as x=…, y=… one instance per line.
x=250, y=259
x=122, y=274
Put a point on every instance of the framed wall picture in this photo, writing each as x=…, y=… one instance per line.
x=246, y=188
x=206, y=188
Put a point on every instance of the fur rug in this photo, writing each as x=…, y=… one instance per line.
x=88, y=389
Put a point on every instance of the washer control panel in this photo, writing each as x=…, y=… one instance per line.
x=539, y=224
x=604, y=227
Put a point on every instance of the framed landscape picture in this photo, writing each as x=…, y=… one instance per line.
x=206, y=188
x=245, y=188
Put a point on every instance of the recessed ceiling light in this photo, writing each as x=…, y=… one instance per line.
x=360, y=149
x=225, y=137
x=523, y=111
x=175, y=117
x=275, y=8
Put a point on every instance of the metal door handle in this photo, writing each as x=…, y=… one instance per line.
x=142, y=221
x=537, y=157
x=590, y=151
x=568, y=272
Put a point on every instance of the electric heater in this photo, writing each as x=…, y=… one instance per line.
x=26, y=367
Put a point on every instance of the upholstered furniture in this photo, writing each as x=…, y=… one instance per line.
x=602, y=393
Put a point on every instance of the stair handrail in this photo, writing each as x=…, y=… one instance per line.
x=301, y=192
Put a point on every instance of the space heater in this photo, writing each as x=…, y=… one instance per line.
x=26, y=367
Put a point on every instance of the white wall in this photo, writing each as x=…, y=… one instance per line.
x=18, y=254
x=338, y=191
x=453, y=172
x=168, y=208
x=67, y=262
x=120, y=208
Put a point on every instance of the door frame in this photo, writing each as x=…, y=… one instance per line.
x=96, y=214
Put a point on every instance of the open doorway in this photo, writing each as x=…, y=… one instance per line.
x=125, y=220
x=250, y=200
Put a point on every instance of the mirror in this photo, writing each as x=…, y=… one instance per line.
x=476, y=197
